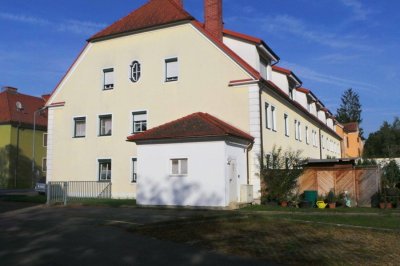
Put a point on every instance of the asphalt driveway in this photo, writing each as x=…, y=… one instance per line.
x=41, y=235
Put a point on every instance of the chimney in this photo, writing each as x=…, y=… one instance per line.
x=10, y=89
x=213, y=18
x=178, y=3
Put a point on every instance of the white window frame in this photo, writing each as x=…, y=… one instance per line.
x=180, y=170
x=78, y=118
x=44, y=139
x=296, y=130
x=307, y=136
x=139, y=112
x=107, y=85
x=273, y=117
x=99, y=162
x=286, y=122
x=133, y=178
x=99, y=125
x=322, y=141
x=135, y=71
x=299, y=129
x=166, y=62
x=267, y=112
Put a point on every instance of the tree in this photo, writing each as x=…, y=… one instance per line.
x=384, y=143
x=350, y=109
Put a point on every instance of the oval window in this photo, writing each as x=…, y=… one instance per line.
x=135, y=71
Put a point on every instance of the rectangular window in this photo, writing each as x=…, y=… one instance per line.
x=179, y=166
x=286, y=118
x=105, y=123
x=299, y=129
x=134, y=170
x=273, y=118
x=296, y=130
x=267, y=116
x=322, y=142
x=108, y=78
x=44, y=164
x=307, y=136
x=44, y=139
x=347, y=142
x=105, y=170
x=139, y=121
x=171, y=69
x=79, y=127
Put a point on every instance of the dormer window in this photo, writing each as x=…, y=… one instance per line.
x=171, y=69
x=108, y=78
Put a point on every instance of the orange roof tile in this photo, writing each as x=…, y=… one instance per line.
x=153, y=13
x=197, y=125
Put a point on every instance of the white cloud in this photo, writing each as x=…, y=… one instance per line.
x=310, y=74
x=336, y=58
x=23, y=19
x=359, y=11
x=72, y=26
x=295, y=27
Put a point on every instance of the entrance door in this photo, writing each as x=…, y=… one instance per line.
x=232, y=175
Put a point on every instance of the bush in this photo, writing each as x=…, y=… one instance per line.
x=280, y=173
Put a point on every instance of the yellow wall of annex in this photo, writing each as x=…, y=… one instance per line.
x=204, y=75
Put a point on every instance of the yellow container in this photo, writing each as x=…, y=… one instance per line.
x=321, y=204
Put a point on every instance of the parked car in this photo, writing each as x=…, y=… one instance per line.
x=41, y=186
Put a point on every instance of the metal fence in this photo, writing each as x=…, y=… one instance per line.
x=64, y=192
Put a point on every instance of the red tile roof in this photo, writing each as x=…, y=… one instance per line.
x=10, y=115
x=303, y=90
x=350, y=127
x=197, y=125
x=282, y=70
x=153, y=13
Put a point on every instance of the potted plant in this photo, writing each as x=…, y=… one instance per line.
x=331, y=199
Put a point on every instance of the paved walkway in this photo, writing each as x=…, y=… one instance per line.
x=82, y=236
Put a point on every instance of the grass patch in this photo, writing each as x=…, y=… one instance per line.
x=316, y=210
x=279, y=239
x=105, y=202
x=41, y=199
x=376, y=221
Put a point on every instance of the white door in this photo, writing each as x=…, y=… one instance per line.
x=232, y=175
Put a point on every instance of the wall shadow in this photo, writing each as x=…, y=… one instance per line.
x=13, y=163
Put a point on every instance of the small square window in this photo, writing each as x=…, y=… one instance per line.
x=108, y=79
x=105, y=122
x=179, y=166
x=105, y=170
x=171, y=69
x=139, y=121
x=79, y=127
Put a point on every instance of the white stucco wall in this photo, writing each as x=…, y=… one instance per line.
x=207, y=181
x=245, y=50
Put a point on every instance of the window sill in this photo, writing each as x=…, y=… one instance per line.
x=105, y=135
x=171, y=80
x=181, y=175
x=78, y=137
x=105, y=181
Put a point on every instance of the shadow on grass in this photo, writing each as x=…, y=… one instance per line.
x=40, y=199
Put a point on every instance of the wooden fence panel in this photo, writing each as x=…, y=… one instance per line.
x=368, y=184
x=325, y=181
x=360, y=183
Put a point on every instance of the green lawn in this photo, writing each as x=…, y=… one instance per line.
x=288, y=239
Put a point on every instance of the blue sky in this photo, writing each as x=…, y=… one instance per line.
x=331, y=45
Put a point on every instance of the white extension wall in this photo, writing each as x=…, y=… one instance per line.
x=207, y=182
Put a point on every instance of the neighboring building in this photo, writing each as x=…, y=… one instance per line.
x=159, y=64
x=16, y=137
x=352, y=144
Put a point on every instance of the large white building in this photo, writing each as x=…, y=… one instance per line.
x=159, y=64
